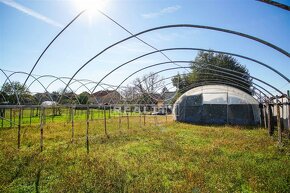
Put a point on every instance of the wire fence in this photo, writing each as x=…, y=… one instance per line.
x=74, y=123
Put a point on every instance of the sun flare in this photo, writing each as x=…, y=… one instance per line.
x=90, y=4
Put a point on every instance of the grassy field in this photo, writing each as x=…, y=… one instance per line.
x=30, y=117
x=168, y=157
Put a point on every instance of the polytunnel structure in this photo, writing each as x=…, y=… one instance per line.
x=106, y=67
x=217, y=104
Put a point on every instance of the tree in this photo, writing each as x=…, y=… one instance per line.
x=145, y=90
x=83, y=97
x=67, y=97
x=149, y=83
x=10, y=90
x=214, y=67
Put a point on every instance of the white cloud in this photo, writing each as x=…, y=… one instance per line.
x=30, y=12
x=167, y=10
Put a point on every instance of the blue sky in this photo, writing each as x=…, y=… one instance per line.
x=26, y=27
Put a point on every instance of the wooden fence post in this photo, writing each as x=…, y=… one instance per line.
x=42, y=122
x=87, y=128
x=10, y=116
x=14, y=115
x=278, y=121
x=2, y=117
x=72, y=125
x=105, y=122
x=128, y=126
x=166, y=115
x=30, y=116
x=110, y=112
x=22, y=112
x=19, y=128
x=270, y=128
x=265, y=117
x=140, y=119
x=144, y=119
x=119, y=121
x=288, y=107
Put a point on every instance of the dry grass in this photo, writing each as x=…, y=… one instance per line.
x=172, y=157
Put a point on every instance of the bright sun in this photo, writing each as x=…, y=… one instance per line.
x=90, y=4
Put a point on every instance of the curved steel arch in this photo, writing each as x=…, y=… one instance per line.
x=34, y=79
x=50, y=76
x=224, y=83
x=56, y=78
x=237, y=77
x=212, y=82
x=109, y=85
x=183, y=26
x=227, y=77
x=254, y=90
x=60, y=79
x=223, y=72
x=4, y=98
x=253, y=77
x=84, y=84
x=233, y=80
x=8, y=78
x=236, y=80
x=51, y=43
x=222, y=76
x=91, y=82
x=197, y=66
x=198, y=49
